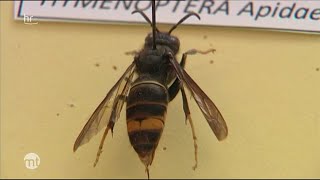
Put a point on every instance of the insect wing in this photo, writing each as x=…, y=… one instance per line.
x=118, y=104
x=208, y=108
x=108, y=110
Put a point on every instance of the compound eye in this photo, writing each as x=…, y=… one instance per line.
x=173, y=39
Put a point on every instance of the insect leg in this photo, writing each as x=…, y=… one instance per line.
x=173, y=91
x=123, y=97
x=188, y=117
x=110, y=126
x=132, y=53
x=101, y=143
x=196, y=51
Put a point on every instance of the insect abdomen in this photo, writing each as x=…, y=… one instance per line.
x=146, y=110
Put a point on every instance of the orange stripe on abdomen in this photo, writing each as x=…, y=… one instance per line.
x=145, y=124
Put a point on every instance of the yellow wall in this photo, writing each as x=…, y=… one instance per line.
x=265, y=83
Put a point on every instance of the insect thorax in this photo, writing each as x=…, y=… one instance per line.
x=165, y=40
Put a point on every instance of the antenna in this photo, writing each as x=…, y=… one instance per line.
x=183, y=19
x=154, y=28
x=145, y=17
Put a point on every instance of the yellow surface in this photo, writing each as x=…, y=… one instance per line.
x=266, y=84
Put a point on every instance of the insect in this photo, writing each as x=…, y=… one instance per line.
x=153, y=79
